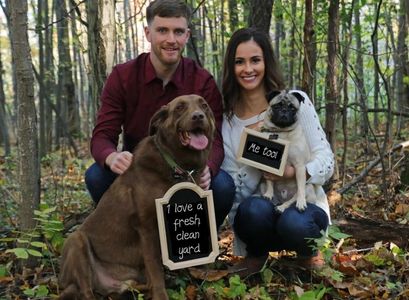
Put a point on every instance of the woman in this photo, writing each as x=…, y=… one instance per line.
x=250, y=73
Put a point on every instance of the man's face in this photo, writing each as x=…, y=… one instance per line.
x=168, y=37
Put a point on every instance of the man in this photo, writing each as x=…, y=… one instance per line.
x=136, y=89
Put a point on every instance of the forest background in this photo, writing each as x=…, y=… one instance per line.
x=350, y=56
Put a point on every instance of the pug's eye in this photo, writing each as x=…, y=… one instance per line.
x=292, y=107
x=278, y=105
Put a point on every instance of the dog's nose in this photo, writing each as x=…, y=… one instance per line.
x=197, y=115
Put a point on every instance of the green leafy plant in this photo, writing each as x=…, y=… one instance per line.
x=316, y=293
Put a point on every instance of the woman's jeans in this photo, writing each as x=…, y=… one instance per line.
x=98, y=180
x=263, y=229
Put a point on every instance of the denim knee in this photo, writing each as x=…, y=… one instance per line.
x=98, y=180
x=254, y=224
x=224, y=189
x=299, y=228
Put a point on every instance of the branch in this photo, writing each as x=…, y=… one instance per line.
x=371, y=165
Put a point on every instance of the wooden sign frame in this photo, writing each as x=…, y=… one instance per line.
x=164, y=231
x=271, y=143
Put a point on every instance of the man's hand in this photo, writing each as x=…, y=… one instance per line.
x=205, y=179
x=289, y=172
x=119, y=162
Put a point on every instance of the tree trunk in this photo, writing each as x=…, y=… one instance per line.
x=332, y=93
x=260, y=14
x=402, y=67
x=293, y=52
x=4, y=134
x=107, y=10
x=97, y=53
x=234, y=17
x=49, y=79
x=29, y=166
x=69, y=109
x=127, y=27
x=279, y=30
x=376, y=86
x=307, y=72
x=41, y=92
x=360, y=81
x=347, y=36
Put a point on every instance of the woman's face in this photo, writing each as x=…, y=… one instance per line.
x=249, y=66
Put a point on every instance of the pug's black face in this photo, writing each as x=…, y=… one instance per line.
x=283, y=109
x=283, y=114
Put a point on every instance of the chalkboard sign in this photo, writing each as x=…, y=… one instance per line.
x=263, y=151
x=187, y=226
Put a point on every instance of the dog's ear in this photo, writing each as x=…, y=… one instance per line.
x=298, y=96
x=272, y=94
x=157, y=119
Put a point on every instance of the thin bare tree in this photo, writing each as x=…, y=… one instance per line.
x=28, y=162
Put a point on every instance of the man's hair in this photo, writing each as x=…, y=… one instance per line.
x=168, y=9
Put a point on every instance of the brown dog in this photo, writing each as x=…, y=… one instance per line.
x=119, y=242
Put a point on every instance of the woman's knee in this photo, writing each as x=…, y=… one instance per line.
x=299, y=226
x=255, y=212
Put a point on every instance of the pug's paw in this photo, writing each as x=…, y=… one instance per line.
x=301, y=204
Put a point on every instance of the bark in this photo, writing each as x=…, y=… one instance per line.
x=49, y=80
x=307, y=73
x=233, y=13
x=361, y=90
x=345, y=63
x=66, y=103
x=279, y=30
x=98, y=63
x=293, y=53
x=41, y=92
x=402, y=97
x=367, y=232
x=128, y=34
x=29, y=166
x=332, y=93
x=107, y=10
x=260, y=14
x=4, y=134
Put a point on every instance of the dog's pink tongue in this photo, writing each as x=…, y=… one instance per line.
x=198, y=141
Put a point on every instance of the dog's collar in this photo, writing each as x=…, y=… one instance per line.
x=177, y=171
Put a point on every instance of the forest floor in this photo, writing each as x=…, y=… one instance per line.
x=366, y=251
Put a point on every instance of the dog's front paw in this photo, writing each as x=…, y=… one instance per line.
x=268, y=197
x=281, y=208
x=301, y=204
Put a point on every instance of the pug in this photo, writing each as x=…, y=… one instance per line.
x=281, y=118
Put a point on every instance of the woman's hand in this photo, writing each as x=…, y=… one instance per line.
x=289, y=172
x=205, y=179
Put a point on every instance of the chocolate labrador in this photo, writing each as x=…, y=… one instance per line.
x=118, y=244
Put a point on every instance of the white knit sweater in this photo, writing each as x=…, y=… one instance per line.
x=247, y=178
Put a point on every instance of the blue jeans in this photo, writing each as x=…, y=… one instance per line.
x=98, y=180
x=263, y=229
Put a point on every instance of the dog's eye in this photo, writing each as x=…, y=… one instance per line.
x=180, y=106
x=205, y=106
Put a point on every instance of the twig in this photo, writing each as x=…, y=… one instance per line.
x=365, y=172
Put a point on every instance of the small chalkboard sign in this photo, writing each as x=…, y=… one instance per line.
x=263, y=151
x=187, y=226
